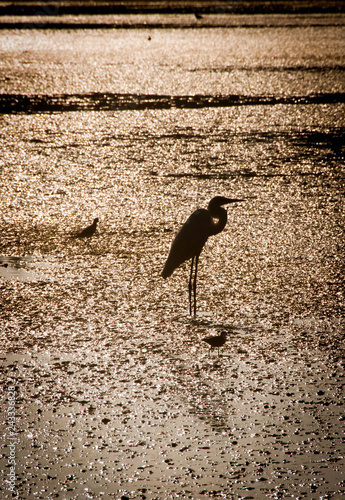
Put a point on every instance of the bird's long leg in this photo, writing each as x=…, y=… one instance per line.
x=194, y=282
x=190, y=286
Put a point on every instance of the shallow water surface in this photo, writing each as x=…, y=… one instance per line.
x=116, y=394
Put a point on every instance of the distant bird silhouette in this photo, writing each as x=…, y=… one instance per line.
x=88, y=231
x=217, y=341
x=191, y=238
x=197, y=15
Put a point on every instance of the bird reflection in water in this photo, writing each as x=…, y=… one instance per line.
x=192, y=237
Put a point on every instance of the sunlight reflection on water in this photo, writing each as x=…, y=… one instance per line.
x=109, y=343
x=131, y=170
x=180, y=61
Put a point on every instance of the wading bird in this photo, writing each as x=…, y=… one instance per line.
x=217, y=341
x=88, y=231
x=191, y=238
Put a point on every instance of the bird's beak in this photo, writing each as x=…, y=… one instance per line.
x=232, y=200
x=236, y=200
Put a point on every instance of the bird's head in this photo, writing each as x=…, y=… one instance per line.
x=218, y=201
x=223, y=334
x=96, y=220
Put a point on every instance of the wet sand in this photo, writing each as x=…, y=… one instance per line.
x=135, y=405
x=111, y=391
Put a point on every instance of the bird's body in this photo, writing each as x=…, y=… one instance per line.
x=189, y=241
x=216, y=341
x=192, y=237
x=88, y=231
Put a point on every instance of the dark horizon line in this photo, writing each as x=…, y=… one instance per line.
x=46, y=24
x=58, y=7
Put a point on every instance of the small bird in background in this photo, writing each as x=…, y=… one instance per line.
x=192, y=237
x=88, y=231
x=216, y=341
x=197, y=15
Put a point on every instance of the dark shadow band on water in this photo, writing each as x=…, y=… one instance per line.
x=94, y=101
x=106, y=7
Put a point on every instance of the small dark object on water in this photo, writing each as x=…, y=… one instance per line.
x=217, y=341
x=88, y=231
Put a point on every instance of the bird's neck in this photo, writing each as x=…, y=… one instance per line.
x=221, y=215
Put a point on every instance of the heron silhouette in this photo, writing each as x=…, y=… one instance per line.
x=192, y=237
x=88, y=231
